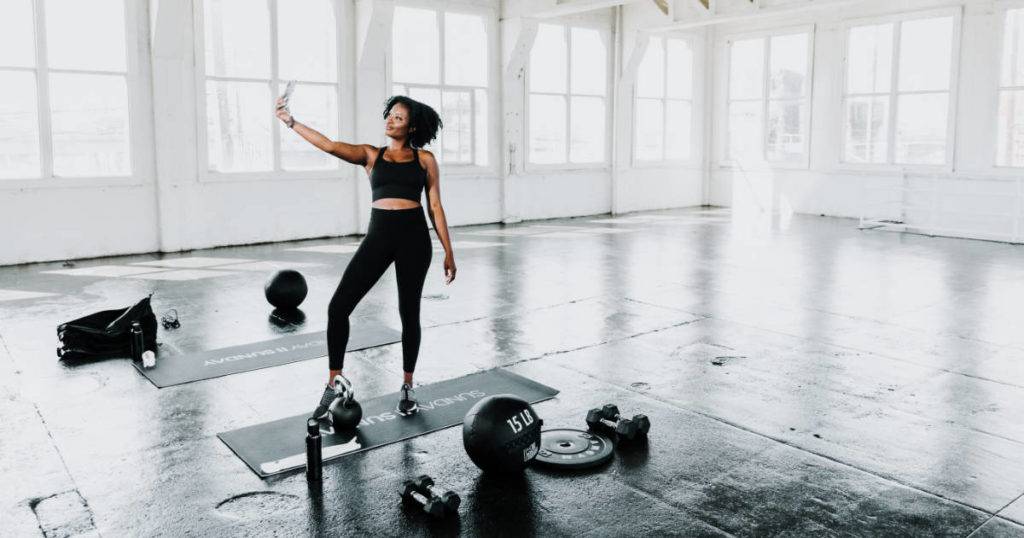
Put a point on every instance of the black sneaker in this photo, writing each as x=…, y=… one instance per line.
x=407, y=405
x=321, y=412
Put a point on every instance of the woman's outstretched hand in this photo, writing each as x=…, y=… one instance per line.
x=449, y=269
x=282, y=111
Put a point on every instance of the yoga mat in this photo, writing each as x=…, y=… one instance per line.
x=188, y=367
x=280, y=446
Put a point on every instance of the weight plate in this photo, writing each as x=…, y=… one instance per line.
x=573, y=449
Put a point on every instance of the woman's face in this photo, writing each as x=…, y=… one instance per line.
x=396, y=125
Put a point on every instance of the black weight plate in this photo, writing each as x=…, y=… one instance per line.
x=573, y=449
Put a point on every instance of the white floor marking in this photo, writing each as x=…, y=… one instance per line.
x=14, y=295
x=329, y=249
x=106, y=271
x=184, y=274
x=267, y=265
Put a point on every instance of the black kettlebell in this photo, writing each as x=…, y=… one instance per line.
x=346, y=413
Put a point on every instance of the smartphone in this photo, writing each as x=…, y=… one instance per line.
x=287, y=93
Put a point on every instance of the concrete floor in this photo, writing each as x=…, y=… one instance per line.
x=802, y=377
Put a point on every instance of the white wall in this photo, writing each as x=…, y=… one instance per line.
x=170, y=206
x=962, y=199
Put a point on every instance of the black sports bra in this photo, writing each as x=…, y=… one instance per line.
x=397, y=180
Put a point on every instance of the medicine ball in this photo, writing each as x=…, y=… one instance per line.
x=501, y=434
x=286, y=289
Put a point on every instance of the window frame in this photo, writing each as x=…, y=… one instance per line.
x=203, y=172
x=697, y=54
x=490, y=18
x=140, y=140
x=1001, y=7
x=953, y=104
x=725, y=160
x=568, y=166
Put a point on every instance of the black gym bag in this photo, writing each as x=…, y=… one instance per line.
x=106, y=334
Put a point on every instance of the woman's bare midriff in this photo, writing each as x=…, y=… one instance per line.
x=394, y=203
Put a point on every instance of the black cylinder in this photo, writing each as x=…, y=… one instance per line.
x=136, y=341
x=314, y=451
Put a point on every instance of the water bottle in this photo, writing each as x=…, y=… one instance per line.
x=137, y=342
x=314, y=450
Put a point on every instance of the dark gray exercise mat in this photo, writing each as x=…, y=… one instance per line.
x=182, y=368
x=280, y=446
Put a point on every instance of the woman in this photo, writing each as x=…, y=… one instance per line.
x=397, y=232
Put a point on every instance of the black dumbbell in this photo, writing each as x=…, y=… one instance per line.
x=607, y=419
x=421, y=490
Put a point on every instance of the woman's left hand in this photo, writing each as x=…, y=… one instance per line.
x=449, y=269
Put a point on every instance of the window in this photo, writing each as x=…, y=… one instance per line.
x=244, y=76
x=65, y=113
x=664, y=101
x=567, y=87
x=440, y=59
x=897, y=94
x=769, y=92
x=1010, y=134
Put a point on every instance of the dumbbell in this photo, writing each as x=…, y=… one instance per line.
x=607, y=419
x=423, y=492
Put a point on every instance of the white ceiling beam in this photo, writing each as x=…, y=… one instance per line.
x=766, y=12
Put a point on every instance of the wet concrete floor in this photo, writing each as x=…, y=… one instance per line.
x=802, y=378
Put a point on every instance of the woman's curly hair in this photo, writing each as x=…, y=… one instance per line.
x=424, y=123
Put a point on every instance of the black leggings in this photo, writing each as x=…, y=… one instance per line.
x=394, y=235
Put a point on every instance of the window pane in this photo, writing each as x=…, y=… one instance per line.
x=398, y=89
x=237, y=34
x=547, y=60
x=482, y=148
x=746, y=68
x=588, y=62
x=90, y=125
x=650, y=74
x=86, y=35
x=415, y=51
x=745, y=134
x=925, y=47
x=867, y=130
x=547, y=129
x=432, y=98
x=17, y=45
x=785, y=131
x=306, y=39
x=19, y=125
x=1010, y=139
x=921, y=129
x=869, y=59
x=238, y=126
x=677, y=130
x=680, y=69
x=429, y=96
x=318, y=107
x=1013, y=48
x=587, y=130
x=465, y=47
x=650, y=122
x=788, y=66
x=458, y=128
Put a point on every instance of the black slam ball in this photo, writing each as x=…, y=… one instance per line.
x=501, y=434
x=286, y=289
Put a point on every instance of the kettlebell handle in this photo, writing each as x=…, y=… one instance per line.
x=347, y=393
